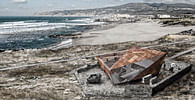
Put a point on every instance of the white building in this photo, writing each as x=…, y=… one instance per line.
x=121, y=16
x=163, y=16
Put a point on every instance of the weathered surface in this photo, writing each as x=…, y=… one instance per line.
x=106, y=88
x=129, y=90
x=180, y=68
x=132, y=65
x=55, y=81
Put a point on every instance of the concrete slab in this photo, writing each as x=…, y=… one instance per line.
x=128, y=90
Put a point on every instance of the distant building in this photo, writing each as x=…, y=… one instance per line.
x=163, y=16
x=121, y=16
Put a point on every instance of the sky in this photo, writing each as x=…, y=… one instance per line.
x=29, y=7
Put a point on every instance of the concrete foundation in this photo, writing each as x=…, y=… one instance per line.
x=128, y=90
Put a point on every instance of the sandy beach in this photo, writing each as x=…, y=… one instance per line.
x=141, y=31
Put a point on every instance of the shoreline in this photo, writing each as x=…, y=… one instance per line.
x=116, y=33
x=78, y=35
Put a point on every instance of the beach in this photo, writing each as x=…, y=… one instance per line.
x=140, y=31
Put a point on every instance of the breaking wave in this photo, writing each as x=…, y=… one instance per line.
x=16, y=27
x=34, y=32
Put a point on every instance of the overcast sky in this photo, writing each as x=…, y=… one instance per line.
x=28, y=7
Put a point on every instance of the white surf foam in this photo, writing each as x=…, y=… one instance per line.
x=16, y=27
x=30, y=26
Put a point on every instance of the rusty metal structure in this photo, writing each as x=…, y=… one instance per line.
x=132, y=65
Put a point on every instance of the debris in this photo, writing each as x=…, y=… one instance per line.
x=182, y=53
x=190, y=32
x=146, y=79
x=78, y=97
x=106, y=88
x=67, y=91
x=83, y=57
x=192, y=91
x=131, y=90
x=153, y=80
x=178, y=22
x=132, y=65
x=94, y=78
x=185, y=68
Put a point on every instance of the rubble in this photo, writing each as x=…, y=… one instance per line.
x=94, y=78
x=129, y=90
x=190, y=32
x=189, y=22
x=106, y=88
x=146, y=79
x=180, y=69
x=154, y=79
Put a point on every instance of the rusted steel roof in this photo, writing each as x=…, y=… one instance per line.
x=132, y=65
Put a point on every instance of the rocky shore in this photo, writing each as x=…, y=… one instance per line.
x=56, y=80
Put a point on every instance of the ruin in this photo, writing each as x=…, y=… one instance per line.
x=129, y=90
x=145, y=86
x=132, y=65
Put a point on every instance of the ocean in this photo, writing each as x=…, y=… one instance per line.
x=29, y=32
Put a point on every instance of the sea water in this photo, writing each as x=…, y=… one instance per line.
x=28, y=32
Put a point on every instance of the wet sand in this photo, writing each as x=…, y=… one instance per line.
x=142, y=31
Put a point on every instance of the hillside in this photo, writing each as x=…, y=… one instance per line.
x=131, y=8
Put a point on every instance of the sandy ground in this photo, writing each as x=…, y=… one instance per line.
x=142, y=31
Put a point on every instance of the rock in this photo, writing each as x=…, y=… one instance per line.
x=191, y=83
x=78, y=97
x=66, y=91
x=192, y=91
x=2, y=50
x=178, y=22
x=185, y=92
x=190, y=32
x=193, y=69
x=94, y=78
